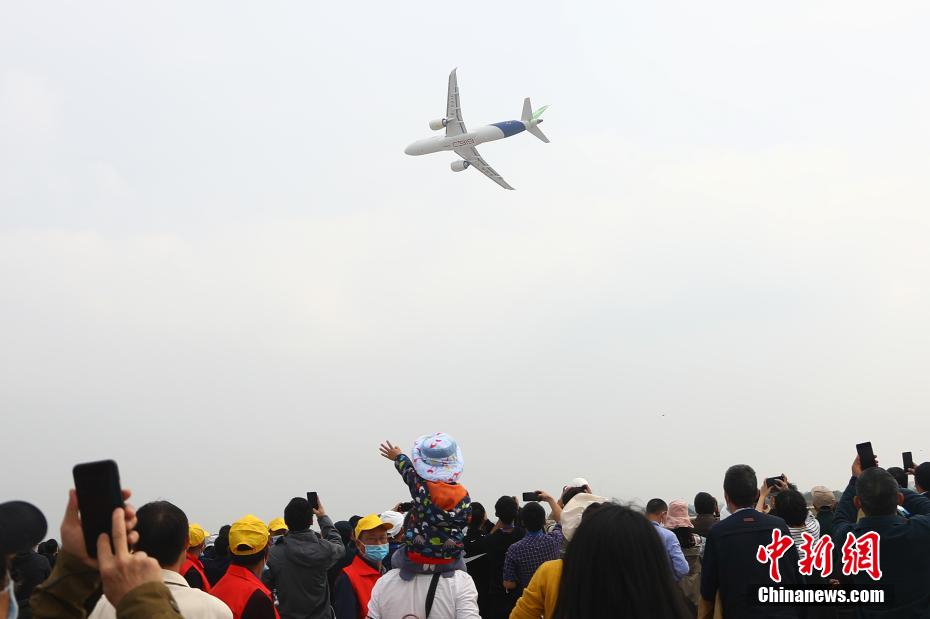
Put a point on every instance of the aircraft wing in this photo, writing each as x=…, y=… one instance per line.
x=470, y=154
x=455, y=124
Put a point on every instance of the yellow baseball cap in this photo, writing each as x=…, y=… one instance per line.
x=248, y=535
x=277, y=524
x=195, y=535
x=370, y=522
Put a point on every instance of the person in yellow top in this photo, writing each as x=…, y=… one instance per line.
x=540, y=596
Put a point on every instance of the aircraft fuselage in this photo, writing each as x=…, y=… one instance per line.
x=488, y=133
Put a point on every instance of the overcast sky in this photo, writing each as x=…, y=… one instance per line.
x=218, y=267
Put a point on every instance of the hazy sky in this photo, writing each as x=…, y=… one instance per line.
x=218, y=267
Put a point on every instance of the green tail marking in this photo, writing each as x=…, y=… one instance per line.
x=539, y=112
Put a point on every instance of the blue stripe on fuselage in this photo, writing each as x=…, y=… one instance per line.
x=510, y=127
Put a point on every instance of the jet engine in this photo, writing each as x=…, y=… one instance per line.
x=458, y=166
x=438, y=124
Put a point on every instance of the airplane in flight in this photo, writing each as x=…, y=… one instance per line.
x=462, y=141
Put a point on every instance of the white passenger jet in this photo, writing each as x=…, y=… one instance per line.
x=463, y=142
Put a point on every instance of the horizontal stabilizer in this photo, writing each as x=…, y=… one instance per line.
x=535, y=130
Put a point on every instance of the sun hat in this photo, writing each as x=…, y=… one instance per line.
x=821, y=496
x=22, y=526
x=247, y=536
x=678, y=515
x=395, y=519
x=572, y=512
x=437, y=458
x=369, y=523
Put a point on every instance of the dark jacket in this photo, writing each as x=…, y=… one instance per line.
x=28, y=570
x=703, y=523
x=297, y=571
x=903, y=551
x=730, y=565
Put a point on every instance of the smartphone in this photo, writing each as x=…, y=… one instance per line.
x=908, y=459
x=314, y=500
x=530, y=496
x=405, y=507
x=98, y=494
x=770, y=481
x=866, y=455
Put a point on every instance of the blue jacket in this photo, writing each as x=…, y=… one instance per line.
x=904, y=551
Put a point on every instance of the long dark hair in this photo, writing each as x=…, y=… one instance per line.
x=616, y=566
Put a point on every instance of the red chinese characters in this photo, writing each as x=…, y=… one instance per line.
x=773, y=552
x=816, y=555
x=860, y=554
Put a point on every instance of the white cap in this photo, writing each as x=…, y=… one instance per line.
x=395, y=519
x=578, y=482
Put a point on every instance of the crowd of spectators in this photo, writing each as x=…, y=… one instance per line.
x=573, y=555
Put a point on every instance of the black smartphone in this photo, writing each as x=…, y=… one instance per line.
x=405, y=507
x=866, y=455
x=98, y=494
x=314, y=500
x=531, y=496
x=770, y=481
x=908, y=459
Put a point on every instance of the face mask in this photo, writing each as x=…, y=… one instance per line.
x=376, y=552
x=13, y=612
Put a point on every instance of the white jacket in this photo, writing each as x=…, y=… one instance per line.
x=193, y=603
x=393, y=597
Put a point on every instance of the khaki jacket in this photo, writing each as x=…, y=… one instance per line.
x=72, y=583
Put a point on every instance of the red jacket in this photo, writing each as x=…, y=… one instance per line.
x=237, y=586
x=362, y=577
x=193, y=563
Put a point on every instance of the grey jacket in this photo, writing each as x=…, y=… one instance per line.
x=297, y=568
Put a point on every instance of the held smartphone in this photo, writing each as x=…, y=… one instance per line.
x=908, y=459
x=866, y=455
x=530, y=496
x=98, y=494
x=313, y=499
x=770, y=481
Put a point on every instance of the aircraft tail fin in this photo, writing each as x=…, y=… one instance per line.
x=531, y=119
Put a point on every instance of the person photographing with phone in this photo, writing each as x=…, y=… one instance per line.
x=131, y=581
x=298, y=565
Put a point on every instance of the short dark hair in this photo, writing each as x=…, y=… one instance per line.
x=571, y=493
x=740, y=485
x=922, y=476
x=163, y=533
x=249, y=560
x=656, y=506
x=506, y=509
x=704, y=503
x=791, y=506
x=878, y=492
x=533, y=516
x=297, y=515
x=899, y=474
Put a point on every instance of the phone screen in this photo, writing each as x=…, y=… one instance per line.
x=908, y=460
x=530, y=496
x=313, y=499
x=866, y=456
x=98, y=494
